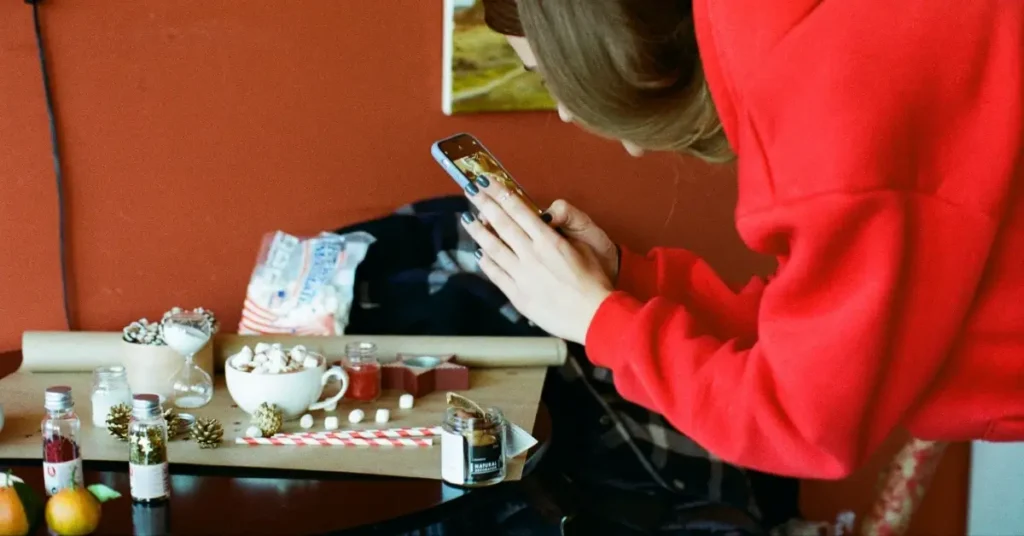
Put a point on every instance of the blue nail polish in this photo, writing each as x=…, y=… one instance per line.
x=467, y=217
x=482, y=181
x=471, y=189
x=479, y=253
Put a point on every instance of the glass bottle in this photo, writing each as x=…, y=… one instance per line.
x=187, y=332
x=364, y=371
x=473, y=448
x=148, y=472
x=109, y=388
x=62, y=458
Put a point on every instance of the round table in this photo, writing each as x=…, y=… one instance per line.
x=228, y=500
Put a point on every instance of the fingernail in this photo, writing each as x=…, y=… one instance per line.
x=546, y=218
x=483, y=182
x=467, y=217
x=471, y=189
x=479, y=254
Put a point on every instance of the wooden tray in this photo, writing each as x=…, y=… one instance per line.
x=515, y=391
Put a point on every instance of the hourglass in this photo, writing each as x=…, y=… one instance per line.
x=187, y=332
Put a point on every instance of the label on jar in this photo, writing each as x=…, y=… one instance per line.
x=453, y=461
x=149, y=482
x=57, y=476
x=485, y=461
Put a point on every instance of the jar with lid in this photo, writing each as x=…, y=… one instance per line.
x=364, y=371
x=109, y=388
x=62, y=458
x=149, y=476
x=473, y=448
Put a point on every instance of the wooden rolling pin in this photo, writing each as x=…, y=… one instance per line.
x=61, y=351
x=477, y=352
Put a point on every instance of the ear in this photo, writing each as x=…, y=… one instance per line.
x=633, y=149
x=564, y=114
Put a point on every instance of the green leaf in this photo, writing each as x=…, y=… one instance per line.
x=103, y=493
x=31, y=503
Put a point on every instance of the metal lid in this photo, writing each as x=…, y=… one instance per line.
x=58, y=398
x=145, y=406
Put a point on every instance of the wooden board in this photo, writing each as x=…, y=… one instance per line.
x=516, y=391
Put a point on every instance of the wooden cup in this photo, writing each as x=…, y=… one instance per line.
x=151, y=369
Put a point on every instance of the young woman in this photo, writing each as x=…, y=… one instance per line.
x=880, y=159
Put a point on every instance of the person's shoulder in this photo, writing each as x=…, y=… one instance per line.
x=866, y=94
x=745, y=31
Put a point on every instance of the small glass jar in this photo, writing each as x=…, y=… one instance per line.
x=109, y=388
x=473, y=448
x=149, y=476
x=62, y=458
x=364, y=371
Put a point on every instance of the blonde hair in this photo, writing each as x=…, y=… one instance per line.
x=628, y=70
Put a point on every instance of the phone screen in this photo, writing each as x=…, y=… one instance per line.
x=471, y=160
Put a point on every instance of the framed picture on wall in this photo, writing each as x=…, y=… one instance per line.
x=481, y=72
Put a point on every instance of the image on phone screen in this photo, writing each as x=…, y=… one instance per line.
x=466, y=159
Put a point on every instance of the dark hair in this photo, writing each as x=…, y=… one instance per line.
x=625, y=69
x=502, y=16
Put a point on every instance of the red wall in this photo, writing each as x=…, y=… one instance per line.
x=190, y=128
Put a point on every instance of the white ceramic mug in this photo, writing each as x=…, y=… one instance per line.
x=294, y=393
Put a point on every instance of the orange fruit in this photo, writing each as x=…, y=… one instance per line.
x=73, y=512
x=19, y=507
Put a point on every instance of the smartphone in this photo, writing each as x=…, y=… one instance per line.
x=465, y=159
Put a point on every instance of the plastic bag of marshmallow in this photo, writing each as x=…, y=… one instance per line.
x=303, y=286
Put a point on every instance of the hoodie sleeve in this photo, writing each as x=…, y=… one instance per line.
x=851, y=331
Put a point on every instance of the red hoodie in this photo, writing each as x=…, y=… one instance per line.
x=881, y=161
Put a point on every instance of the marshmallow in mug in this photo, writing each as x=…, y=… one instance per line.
x=272, y=359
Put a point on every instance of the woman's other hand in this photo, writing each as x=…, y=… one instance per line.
x=556, y=282
x=577, y=226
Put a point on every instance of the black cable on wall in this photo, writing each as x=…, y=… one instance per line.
x=55, y=149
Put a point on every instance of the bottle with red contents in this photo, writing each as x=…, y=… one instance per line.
x=364, y=372
x=62, y=459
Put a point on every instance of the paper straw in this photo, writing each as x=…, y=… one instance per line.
x=366, y=434
x=335, y=442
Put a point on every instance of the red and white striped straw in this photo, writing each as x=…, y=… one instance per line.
x=336, y=441
x=367, y=434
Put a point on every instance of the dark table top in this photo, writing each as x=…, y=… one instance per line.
x=222, y=500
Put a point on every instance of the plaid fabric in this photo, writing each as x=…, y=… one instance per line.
x=421, y=277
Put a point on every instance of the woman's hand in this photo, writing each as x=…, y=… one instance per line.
x=577, y=226
x=556, y=282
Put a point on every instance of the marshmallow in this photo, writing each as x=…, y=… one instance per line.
x=243, y=357
x=382, y=416
x=253, y=431
x=298, y=353
x=406, y=401
x=261, y=369
x=331, y=423
x=310, y=362
x=306, y=422
x=356, y=416
x=261, y=348
x=276, y=356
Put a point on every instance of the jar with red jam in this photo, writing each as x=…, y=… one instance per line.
x=62, y=459
x=364, y=371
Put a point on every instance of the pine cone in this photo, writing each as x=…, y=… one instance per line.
x=118, y=419
x=143, y=331
x=173, y=423
x=207, y=432
x=268, y=419
x=210, y=317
